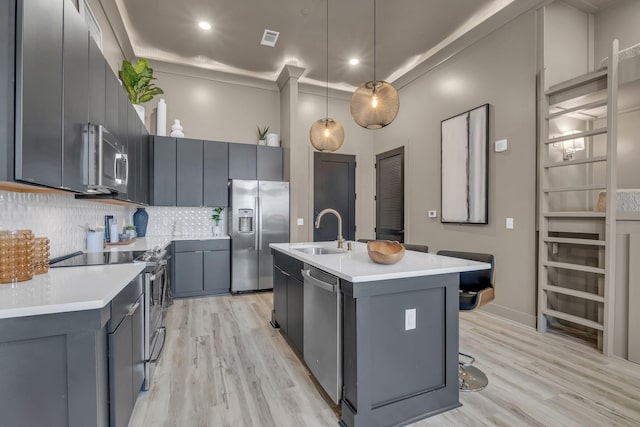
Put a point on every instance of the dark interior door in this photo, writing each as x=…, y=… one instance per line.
x=390, y=195
x=334, y=186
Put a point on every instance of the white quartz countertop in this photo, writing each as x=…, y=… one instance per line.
x=144, y=243
x=356, y=266
x=66, y=289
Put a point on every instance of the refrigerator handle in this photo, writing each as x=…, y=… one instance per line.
x=259, y=223
x=255, y=232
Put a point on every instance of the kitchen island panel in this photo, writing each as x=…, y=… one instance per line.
x=393, y=375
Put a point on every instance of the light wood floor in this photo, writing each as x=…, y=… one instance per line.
x=223, y=365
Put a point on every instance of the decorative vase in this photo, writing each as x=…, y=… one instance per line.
x=140, y=220
x=216, y=229
x=273, y=140
x=161, y=118
x=140, y=110
x=176, y=129
x=262, y=142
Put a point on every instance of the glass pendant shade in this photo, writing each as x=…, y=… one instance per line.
x=375, y=104
x=326, y=135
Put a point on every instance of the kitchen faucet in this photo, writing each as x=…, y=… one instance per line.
x=337, y=214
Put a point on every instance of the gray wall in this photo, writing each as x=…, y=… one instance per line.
x=214, y=106
x=500, y=70
x=620, y=21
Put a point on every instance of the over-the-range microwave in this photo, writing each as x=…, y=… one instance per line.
x=108, y=162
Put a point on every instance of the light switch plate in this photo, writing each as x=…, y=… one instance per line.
x=509, y=223
x=300, y=221
x=501, y=145
x=433, y=214
x=409, y=319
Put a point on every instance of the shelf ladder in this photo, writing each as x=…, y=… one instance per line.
x=576, y=96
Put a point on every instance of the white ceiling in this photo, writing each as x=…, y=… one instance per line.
x=408, y=32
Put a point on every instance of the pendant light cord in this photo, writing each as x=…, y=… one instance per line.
x=327, y=90
x=374, y=45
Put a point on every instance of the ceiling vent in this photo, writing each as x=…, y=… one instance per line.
x=269, y=38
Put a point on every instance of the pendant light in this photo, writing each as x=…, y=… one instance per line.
x=375, y=104
x=327, y=134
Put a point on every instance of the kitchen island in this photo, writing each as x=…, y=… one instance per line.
x=397, y=328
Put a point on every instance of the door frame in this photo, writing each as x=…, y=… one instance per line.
x=379, y=157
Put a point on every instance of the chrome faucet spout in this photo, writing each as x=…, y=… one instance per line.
x=337, y=214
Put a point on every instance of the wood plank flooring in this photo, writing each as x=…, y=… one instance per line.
x=223, y=365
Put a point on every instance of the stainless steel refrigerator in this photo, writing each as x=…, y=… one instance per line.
x=259, y=216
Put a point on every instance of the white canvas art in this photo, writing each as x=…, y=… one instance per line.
x=464, y=167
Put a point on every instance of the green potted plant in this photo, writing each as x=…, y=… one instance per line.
x=262, y=135
x=130, y=230
x=216, y=217
x=137, y=80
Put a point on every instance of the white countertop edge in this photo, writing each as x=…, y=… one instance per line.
x=93, y=303
x=324, y=262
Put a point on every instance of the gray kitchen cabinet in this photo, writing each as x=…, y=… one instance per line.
x=295, y=306
x=215, y=173
x=143, y=165
x=97, y=81
x=133, y=146
x=76, y=99
x=112, y=90
x=279, y=314
x=189, y=270
x=7, y=76
x=38, y=150
x=163, y=163
x=288, y=298
x=242, y=161
x=269, y=163
x=189, y=172
x=217, y=278
x=126, y=352
x=123, y=133
x=201, y=267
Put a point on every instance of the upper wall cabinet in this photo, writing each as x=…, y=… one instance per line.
x=75, y=85
x=189, y=169
x=7, y=74
x=216, y=173
x=247, y=161
x=97, y=81
x=163, y=173
x=39, y=91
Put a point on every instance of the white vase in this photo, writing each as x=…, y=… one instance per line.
x=140, y=110
x=217, y=231
x=273, y=140
x=262, y=142
x=161, y=118
x=176, y=129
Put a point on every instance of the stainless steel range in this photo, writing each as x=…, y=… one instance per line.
x=157, y=293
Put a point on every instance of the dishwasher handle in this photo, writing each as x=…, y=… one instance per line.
x=308, y=278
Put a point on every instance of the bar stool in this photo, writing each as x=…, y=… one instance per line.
x=476, y=289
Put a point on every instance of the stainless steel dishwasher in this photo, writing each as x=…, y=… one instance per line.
x=323, y=329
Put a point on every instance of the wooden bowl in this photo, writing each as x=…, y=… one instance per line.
x=385, y=251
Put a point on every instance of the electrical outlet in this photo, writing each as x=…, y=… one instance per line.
x=509, y=223
x=300, y=221
x=433, y=214
x=554, y=248
x=409, y=319
x=501, y=145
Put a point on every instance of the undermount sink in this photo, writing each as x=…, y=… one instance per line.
x=319, y=250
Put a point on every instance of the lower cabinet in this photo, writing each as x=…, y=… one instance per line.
x=288, y=298
x=201, y=267
x=126, y=352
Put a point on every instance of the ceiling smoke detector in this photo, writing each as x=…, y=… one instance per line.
x=269, y=38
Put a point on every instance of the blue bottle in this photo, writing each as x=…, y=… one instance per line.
x=140, y=220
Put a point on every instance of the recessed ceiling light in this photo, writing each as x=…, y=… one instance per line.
x=354, y=61
x=204, y=25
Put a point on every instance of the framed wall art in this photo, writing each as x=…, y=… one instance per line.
x=464, y=151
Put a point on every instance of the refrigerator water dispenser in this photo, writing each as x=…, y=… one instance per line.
x=245, y=220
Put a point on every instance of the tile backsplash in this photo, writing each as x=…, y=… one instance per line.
x=62, y=218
